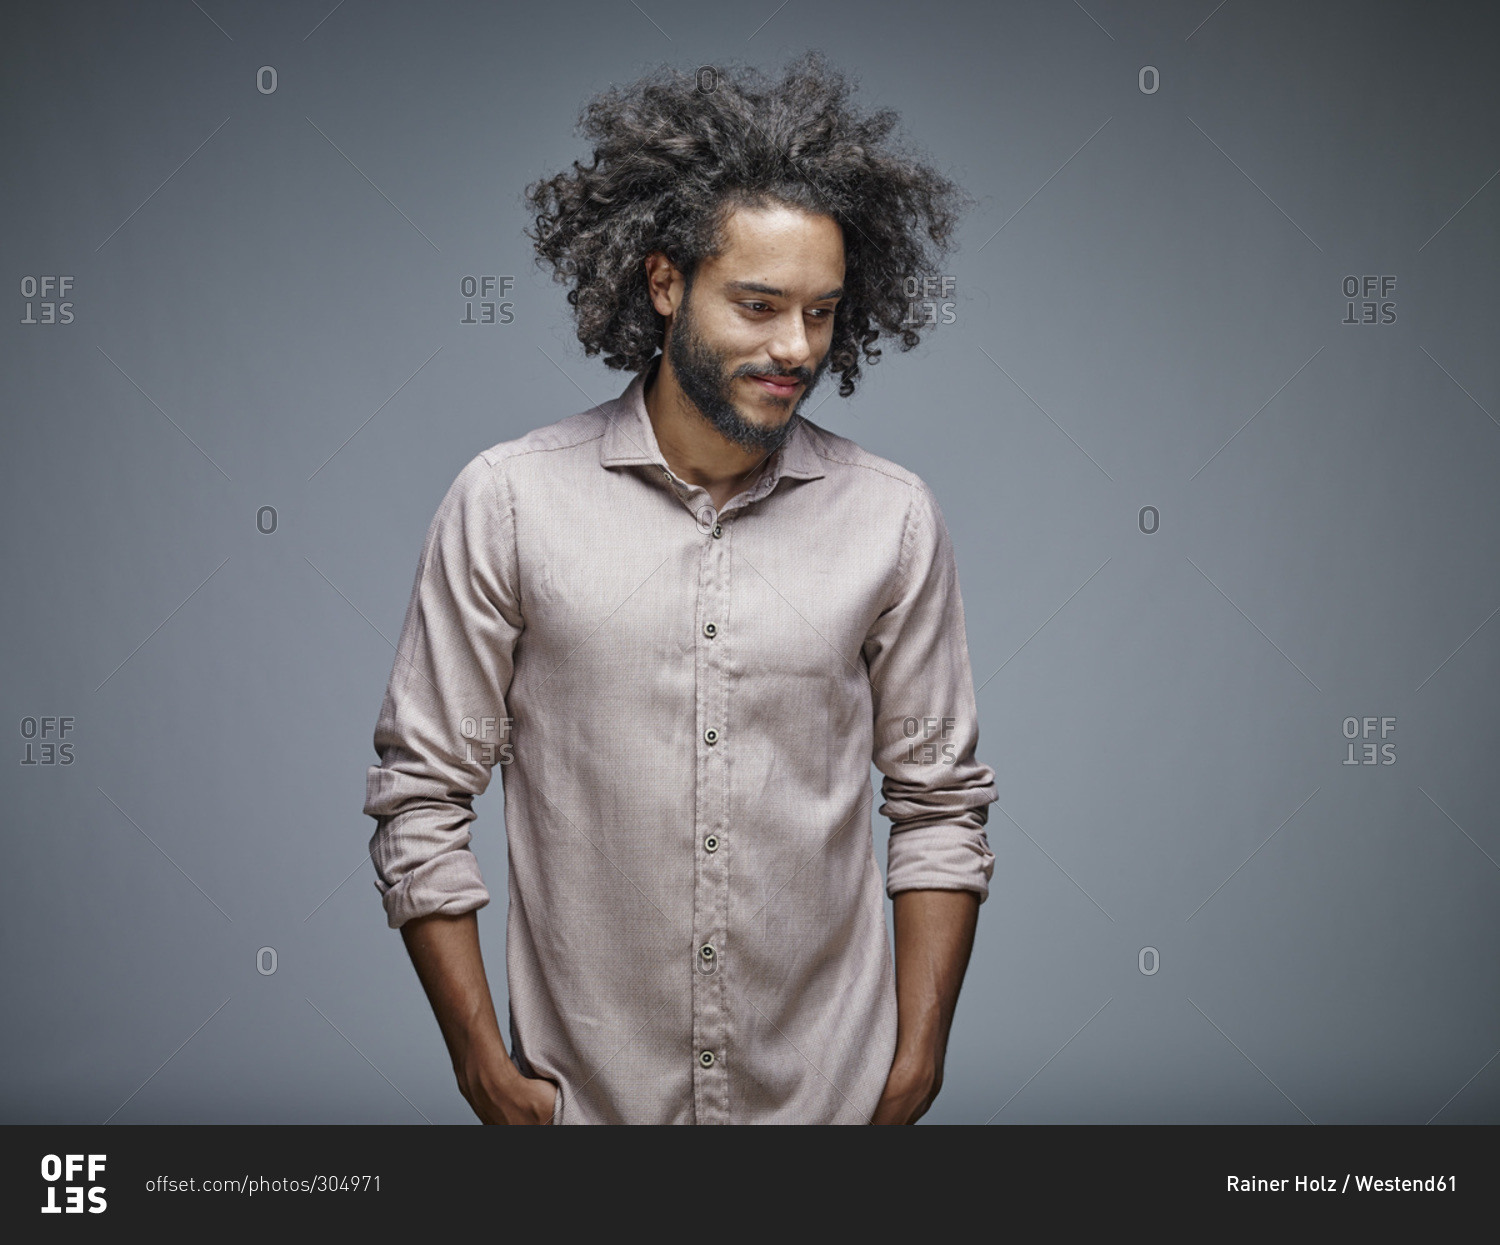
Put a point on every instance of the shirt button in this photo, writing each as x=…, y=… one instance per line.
x=711, y=844
x=707, y=952
x=706, y=1058
x=718, y=530
x=710, y=737
x=710, y=630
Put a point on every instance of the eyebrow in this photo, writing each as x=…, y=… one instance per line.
x=755, y=287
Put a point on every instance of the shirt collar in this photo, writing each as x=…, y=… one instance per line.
x=630, y=440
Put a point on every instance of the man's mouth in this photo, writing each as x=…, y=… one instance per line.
x=777, y=386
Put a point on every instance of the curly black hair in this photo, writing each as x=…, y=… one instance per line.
x=674, y=153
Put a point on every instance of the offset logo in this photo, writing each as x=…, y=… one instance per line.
x=47, y=741
x=1369, y=299
x=65, y=1171
x=490, y=292
x=929, y=299
x=1367, y=756
x=937, y=746
x=483, y=740
x=52, y=307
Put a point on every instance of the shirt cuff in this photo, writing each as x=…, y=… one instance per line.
x=448, y=883
x=939, y=858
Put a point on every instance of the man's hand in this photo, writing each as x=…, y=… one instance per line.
x=445, y=951
x=934, y=935
x=499, y=1094
x=909, y=1091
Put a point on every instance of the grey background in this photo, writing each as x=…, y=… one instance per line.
x=262, y=279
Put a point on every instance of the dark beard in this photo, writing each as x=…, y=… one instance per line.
x=702, y=377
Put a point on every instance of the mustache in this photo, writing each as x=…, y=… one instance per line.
x=803, y=374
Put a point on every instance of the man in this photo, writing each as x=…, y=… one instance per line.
x=683, y=623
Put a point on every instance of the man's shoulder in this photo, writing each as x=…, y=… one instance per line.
x=868, y=469
x=492, y=472
x=573, y=433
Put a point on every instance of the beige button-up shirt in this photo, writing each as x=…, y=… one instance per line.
x=684, y=703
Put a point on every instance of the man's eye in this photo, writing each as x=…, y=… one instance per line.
x=754, y=306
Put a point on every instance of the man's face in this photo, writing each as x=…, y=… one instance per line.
x=750, y=340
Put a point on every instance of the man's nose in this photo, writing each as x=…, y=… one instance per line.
x=789, y=348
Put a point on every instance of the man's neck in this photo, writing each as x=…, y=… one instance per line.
x=696, y=451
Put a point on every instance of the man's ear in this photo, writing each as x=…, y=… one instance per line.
x=665, y=283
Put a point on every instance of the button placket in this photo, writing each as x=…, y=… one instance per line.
x=694, y=499
x=710, y=998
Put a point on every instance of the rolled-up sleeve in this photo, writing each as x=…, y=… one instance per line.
x=926, y=724
x=443, y=724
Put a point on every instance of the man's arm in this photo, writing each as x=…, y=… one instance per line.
x=936, y=796
x=443, y=727
x=445, y=951
x=934, y=935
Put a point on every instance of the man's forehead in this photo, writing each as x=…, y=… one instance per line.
x=781, y=247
